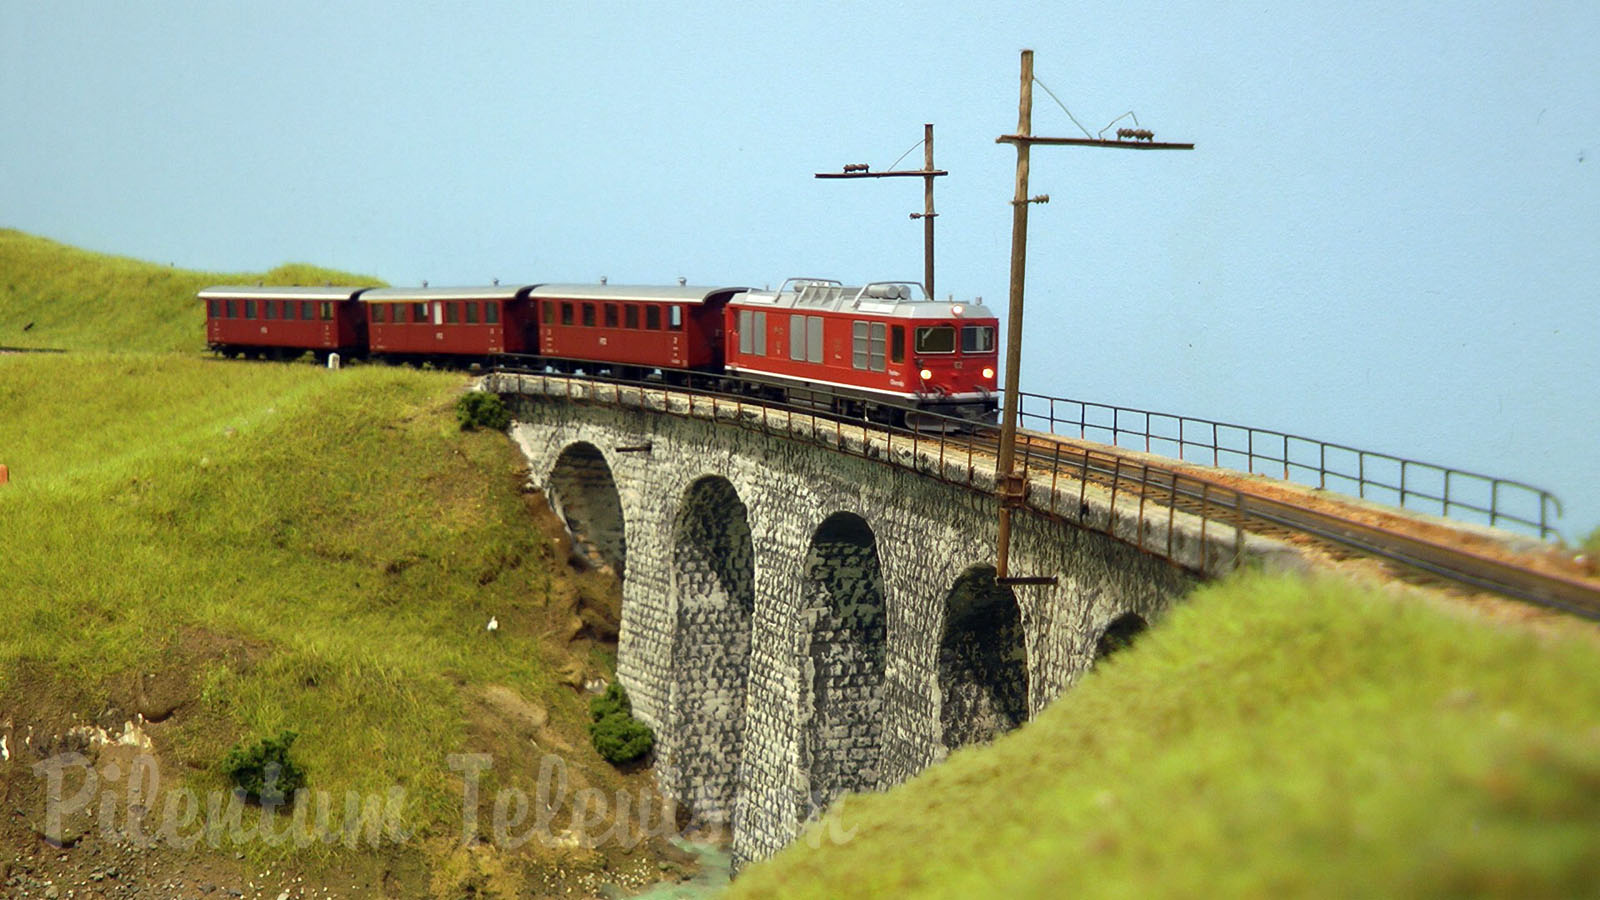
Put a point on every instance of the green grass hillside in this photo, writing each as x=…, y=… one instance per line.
x=78, y=300
x=1271, y=738
x=280, y=546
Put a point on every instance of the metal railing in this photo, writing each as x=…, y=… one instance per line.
x=1381, y=477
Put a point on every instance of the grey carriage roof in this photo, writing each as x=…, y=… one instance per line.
x=676, y=293
x=278, y=292
x=422, y=295
x=901, y=299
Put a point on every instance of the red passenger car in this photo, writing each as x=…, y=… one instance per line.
x=282, y=322
x=866, y=351
x=455, y=322
x=632, y=329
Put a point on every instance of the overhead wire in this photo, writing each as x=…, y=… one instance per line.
x=1064, y=108
x=904, y=155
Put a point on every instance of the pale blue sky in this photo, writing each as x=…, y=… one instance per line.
x=1388, y=236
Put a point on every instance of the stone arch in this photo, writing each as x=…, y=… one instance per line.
x=845, y=635
x=583, y=492
x=713, y=579
x=983, y=666
x=1119, y=635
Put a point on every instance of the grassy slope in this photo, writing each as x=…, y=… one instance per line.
x=1270, y=738
x=76, y=299
x=313, y=550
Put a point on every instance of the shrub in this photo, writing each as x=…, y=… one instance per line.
x=265, y=772
x=618, y=736
x=613, y=702
x=482, y=409
x=621, y=739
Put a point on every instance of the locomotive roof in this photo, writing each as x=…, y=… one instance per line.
x=421, y=295
x=676, y=293
x=899, y=299
x=279, y=292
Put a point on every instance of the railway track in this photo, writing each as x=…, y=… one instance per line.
x=1234, y=502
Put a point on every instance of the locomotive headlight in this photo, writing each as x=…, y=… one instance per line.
x=988, y=372
x=957, y=310
x=927, y=374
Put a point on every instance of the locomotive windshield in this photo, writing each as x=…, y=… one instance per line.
x=977, y=339
x=937, y=339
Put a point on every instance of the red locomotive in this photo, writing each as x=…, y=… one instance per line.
x=871, y=351
x=865, y=351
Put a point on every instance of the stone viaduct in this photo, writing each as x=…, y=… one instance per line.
x=807, y=611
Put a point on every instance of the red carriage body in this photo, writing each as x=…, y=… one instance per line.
x=280, y=320
x=450, y=321
x=637, y=327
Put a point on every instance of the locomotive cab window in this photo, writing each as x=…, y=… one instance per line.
x=977, y=339
x=938, y=339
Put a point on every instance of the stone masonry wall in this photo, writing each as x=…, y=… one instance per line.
x=686, y=605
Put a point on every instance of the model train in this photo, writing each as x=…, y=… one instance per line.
x=880, y=351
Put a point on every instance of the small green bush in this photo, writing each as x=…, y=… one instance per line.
x=618, y=736
x=265, y=772
x=621, y=739
x=482, y=409
x=613, y=702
